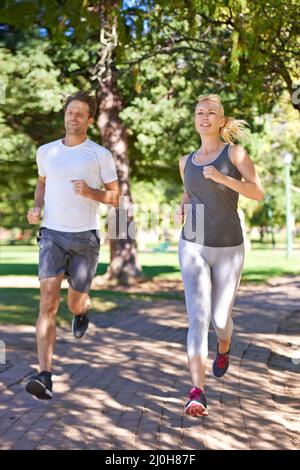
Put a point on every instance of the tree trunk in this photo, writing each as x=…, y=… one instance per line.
x=124, y=267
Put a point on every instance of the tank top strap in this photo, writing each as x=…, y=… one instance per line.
x=228, y=150
x=189, y=158
x=225, y=151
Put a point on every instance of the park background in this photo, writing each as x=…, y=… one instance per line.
x=147, y=62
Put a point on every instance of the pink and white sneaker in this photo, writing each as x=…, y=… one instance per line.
x=197, y=404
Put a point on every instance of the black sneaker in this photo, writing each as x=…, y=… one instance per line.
x=40, y=386
x=221, y=363
x=80, y=324
x=197, y=404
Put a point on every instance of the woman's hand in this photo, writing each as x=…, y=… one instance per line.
x=179, y=215
x=210, y=172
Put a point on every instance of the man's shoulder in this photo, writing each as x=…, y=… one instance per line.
x=98, y=149
x=42, y=149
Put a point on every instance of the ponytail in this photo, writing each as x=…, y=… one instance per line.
x=233, y=129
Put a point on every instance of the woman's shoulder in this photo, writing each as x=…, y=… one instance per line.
x=236, y=153
x=182, y=163
x=183, y=159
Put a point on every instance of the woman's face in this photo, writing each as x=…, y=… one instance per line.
x=208, y=118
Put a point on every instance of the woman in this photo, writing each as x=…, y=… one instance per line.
x=211, y=248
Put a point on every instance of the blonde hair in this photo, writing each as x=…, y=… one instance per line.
x=233, y=129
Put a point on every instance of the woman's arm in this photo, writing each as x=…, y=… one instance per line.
x=251, y=187
x=185, y=197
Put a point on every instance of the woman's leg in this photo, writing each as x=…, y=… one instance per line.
x=226, y=271
x=196, y=280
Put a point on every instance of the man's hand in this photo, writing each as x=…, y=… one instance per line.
x=210, y=172
x=80, y=187
x=34, y=215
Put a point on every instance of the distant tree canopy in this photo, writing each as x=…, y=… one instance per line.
x=168, y=53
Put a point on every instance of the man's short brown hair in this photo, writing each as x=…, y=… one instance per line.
x=85, y=97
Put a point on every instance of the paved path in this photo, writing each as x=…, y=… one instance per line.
x=124, y=386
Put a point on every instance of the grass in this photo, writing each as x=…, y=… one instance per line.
x=260, y=264
x=20, y=305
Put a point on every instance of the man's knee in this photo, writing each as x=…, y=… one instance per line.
x=49, y=302
x=78, y=304
x=50, y=295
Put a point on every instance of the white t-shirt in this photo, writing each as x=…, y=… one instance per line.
x=64, y=210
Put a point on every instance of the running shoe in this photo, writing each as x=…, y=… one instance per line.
x=80, y=324
x=197, y=404
x=221, y=363
x=40, y=386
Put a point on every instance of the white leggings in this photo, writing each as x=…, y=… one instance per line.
x=211, y=277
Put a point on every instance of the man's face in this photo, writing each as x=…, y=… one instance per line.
x=77, y=118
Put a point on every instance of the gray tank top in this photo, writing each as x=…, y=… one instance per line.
x=212, y=218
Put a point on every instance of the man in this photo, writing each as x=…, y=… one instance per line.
x=70, y=172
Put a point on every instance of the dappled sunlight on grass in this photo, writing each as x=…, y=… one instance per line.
x=100, y=306
x=21, y=305
x=260, y=264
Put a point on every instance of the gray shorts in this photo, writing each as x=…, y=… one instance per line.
x=75, y=253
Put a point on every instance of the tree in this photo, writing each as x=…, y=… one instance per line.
x=124, y=265
x=30, y=110
x=208, y=46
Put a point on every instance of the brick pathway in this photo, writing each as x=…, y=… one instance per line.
x=124, y=386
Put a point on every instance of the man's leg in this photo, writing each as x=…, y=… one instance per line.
x=46, y=322
x=40, y=385
x=82, y=267
x=79, y=303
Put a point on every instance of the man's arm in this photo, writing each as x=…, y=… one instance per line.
x=34, y=214
x=39, y=195
x=109, y=196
